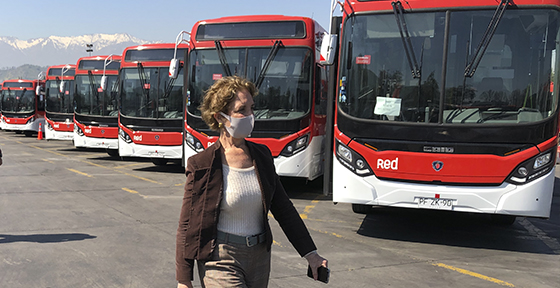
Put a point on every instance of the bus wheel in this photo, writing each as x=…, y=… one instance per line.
x=19, y=132
x=504, y=220
x=361, y=208
x=159, y=161
x=28, y=133
x=113, y=153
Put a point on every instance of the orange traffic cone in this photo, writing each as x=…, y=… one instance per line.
x=40, y=134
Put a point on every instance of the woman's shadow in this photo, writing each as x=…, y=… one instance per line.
x=45, y=238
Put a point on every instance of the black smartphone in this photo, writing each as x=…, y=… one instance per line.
x=323, y=276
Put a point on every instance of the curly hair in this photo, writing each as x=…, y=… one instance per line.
x=220, y=95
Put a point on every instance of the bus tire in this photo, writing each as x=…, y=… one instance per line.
x=28, y=133
x=159, y=161
x=113, y=153
x=361, y=208
x=503, y=220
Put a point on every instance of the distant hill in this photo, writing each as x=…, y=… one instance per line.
x=55, y=50
x=26, y=71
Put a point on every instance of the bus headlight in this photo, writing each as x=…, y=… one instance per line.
x=352, y=160
x=532, y=169
x=124, y=136
x=295, y=146
x=193, y=142
x=542, y=160
x=78, y=130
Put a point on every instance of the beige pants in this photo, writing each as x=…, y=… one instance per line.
x=236, y=265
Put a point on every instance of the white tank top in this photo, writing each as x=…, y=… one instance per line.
x=241, y=209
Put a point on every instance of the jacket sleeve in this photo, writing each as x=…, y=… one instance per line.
x=183, y=266
x=288, y=217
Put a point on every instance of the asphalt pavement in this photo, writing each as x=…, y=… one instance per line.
x=80, y=218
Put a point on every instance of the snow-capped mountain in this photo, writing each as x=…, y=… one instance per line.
x=56, y=50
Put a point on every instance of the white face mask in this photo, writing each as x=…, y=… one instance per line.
x=240, y=127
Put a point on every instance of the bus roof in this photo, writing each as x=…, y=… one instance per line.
x=95, y=64
x=19, y=84
x=158, y=54
x=354, y=6
x=55, y=71
x=256, y=30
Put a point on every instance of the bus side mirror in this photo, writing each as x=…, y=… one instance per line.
x=38, y=90
x=62, y=84
x=174, y=68
x=104, y=82
x=328, y=48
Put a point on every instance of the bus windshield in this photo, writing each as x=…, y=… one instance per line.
x=513, y=82
x=90, y=99
x=59, y=102
x=19, y=101
x=285, y=92
x=149, y=93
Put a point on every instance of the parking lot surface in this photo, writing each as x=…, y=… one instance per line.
x=80, y=218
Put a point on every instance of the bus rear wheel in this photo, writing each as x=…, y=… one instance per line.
x=113, y=153
x=361, y=208
x=159, y=161
x=28, y=133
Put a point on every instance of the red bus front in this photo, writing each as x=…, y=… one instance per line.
x=22, y=106
x=59, y=106
x=150, y=119
x=448, y=105
x=96, y=112
x=279, y=54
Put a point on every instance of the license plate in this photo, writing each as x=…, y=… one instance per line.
x=435, y=203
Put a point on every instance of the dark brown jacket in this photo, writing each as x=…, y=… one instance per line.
x=197, y=230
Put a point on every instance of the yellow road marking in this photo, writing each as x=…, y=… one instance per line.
x=88, y=162
x=129, y=165
x=81, y=173
x=308, y=208
x=37, y=147
x=277, y=243
x=130, y=191
x=473, y=274
x=180, y=184
x=47, y=160
x=326, y=232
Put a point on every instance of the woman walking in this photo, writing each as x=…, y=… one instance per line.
x=230, y=188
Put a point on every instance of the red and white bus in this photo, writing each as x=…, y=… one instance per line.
x=447, y=105
x=151, y=103
x=96, y=110
x=59, y=106
x=280, y=55
x=23, y=106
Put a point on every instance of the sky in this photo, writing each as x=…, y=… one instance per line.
x=155, y=20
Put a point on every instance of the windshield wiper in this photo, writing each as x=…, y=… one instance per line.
x=169, y=87
x=271, y=55
x=405, y=37
x=486, y=38
x=222, y=57
x=92, y=86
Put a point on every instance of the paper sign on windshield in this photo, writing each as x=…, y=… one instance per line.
x=388, y=106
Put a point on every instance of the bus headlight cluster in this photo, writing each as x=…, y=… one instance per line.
x=352, y=160
x=532, y=169
x=78, y=130
x=193, y=142
x=124, y=136
x=295, y=146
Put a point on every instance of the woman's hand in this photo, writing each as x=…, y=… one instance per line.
x=185, y=285
x=315, y=260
